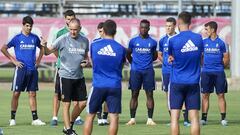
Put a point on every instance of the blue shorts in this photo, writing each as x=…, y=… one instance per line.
x=25, y=80
x=188, y=93
x=211, y=80
x=139, y=78
x=165, y=82
x=112, y=96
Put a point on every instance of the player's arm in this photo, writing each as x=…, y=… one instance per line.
x=56, y=53
x=39, y=57
x=160, y=56
x=129, y=55
x=170, y=52
x=4, y=50
x=47, y=50
x=85, y=61
x=155, y=55
x=226, y=58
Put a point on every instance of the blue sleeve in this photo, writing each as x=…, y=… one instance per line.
x=170, y=47
x=201, y=46
x=12, y=42
x=161, y=45
x=38, y=42
x=130, y=45
x=224, y=47
x=91, y=50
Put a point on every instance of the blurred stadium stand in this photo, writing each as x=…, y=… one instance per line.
x=114, y=8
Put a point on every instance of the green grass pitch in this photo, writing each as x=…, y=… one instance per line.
x=44, y=97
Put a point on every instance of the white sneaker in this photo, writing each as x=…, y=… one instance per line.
x=105, y=122
x=38, y=122
x=100, y=122
x=150, y=122
x=131, y=122
x=12, y=122
x=203, y=122
x=224, y=122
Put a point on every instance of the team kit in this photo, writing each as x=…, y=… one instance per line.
x=192, y=69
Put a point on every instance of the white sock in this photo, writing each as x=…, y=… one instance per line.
x=54, y=118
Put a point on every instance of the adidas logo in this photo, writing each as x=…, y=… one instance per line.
x=189, y=47
x=21, y=42
x=107, y=50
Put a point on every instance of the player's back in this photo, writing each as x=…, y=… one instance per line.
x=186, y=48
x=108, y=57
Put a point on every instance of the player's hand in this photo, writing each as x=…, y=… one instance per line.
x=37, y=64
x=43, y=42
x=170, y=59
x=18, y=64
x=84, y=63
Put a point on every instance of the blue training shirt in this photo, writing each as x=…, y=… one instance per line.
x=25, y=49
x=186, y=48
x=142, y=52
x=108, y=57
x=163, y=47
x=213, y=55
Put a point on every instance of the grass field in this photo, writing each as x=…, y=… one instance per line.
x=23, y=117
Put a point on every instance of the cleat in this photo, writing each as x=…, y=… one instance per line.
x=54, y=123
x=150, y=122
x=186, y=124
x=203, y=122
x=224, y=122
x=100, y=122
x=38, y=122
x=12, y=122
x=105, y=122
x=131, y=122
x=78, y=122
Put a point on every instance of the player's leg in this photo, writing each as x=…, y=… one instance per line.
x=88, y=125
x=113, y=127
x=221, y=89
x=94, y=101
x=195, y=126
x=174, y=121
x=105, y=114
x=113, y=100
x=149, y=87
x=79, y=97
x=32, y=88
x=176, y=100
x=192, y=103
x=165, y=87
x=18, y=85
x=207, y=82
x=56, y=100
x=135, y=84
x=186, y=122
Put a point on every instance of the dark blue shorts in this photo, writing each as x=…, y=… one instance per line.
x=165, y=82
x=213, y=80
x=25, y=80
x=139, y=78
x=112, y=96
x=184, y=93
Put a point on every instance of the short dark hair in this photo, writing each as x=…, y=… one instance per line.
x=145, y=21
x=185, y=17
x=172, y=20
x=27, y=19
x=212, y=25
x=69, y=13
x=100, y=25
x=110, y=27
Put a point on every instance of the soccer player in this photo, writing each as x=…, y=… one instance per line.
x=215, y=57
x=68, y=16
x=108, y=57
x=26, y=74
x=102, y=120
x=185, y=51
x=166, y=67
x=73, y=49
x=141, y=54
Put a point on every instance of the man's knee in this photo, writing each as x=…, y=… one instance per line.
x=32, y=94
x=205, y=96
x=135, y=94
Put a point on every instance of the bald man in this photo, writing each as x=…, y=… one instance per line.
x=73, y=49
